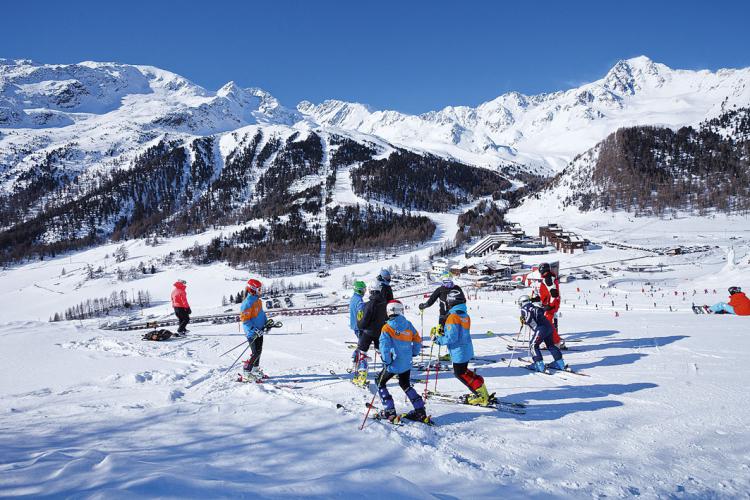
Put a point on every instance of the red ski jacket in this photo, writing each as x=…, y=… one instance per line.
x=549, y=292
x=740, y=303
x=179, y=297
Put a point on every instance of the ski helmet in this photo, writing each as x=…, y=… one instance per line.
x=375, y=287
x=454, y=298
x=447, y=280
x=544, y=268
x=384, y=276
x=734, y=289
x=394, y=308
x=359, y=287
x=523, y=299
x=253, y=286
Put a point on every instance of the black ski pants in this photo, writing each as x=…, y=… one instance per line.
x=183, y=318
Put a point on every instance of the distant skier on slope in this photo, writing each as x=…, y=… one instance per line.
x=399, y=343
x=457, y=336
x=372, y=321
x=534, y=317
x=356, y=310
x=549, y=295
x=738, y=304
x=441, y=294
x=254, y=321
x=384, y=277
x=181, y=307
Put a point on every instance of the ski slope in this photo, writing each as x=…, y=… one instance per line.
x=93, y=413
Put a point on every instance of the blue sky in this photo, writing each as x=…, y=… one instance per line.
x=413, y=56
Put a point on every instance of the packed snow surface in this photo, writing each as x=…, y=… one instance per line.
x=95, y=413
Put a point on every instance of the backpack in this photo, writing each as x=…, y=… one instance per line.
x=157, y=335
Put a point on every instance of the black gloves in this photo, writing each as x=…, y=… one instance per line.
x=422, y=306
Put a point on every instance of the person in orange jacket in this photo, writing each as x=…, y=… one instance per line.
x=738, y=304
x=181, y=307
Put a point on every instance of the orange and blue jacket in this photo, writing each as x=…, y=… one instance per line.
x=457, y=335
x=252, y=315
x=399, y=342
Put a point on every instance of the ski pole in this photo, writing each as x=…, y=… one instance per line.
x=238, y=358
x=421, y=351
x=369, y=407
x=513, y=352
x=437, y=367
x=427, y=374
x=233, y=348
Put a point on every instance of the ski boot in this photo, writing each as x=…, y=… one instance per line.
x=360, y=379
x=559, y=364
x=418, y=415
x=537, y=366
x=481, y=398
x=388, y=414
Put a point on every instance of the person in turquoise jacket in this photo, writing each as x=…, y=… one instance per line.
x=254, y=320
x=399, y=343
x=356, y=308
x=456, y=335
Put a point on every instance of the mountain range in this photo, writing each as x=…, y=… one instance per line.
x=94, y=149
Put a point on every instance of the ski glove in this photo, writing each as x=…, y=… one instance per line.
x=189, y=311
x=423, y=305
x=436, y=331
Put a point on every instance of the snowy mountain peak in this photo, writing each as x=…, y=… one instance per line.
x=336, y=113
x=632, y=75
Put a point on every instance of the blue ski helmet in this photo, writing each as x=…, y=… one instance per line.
x=384, y=276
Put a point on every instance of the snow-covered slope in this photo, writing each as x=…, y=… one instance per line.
x=93, y=413
x=550, y=129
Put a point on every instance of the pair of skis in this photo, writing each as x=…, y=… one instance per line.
x=550, y=368
x=497, y=404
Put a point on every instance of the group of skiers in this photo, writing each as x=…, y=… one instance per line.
x=380, y=321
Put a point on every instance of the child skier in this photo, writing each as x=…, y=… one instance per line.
x=254, y=322
x=370, y=325
x=384, y=277
x=356, y=308
x=399, y=343
x=549, y=295
x=533, y=317
x=456, y=335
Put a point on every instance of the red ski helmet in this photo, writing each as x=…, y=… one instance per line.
x=253, y=286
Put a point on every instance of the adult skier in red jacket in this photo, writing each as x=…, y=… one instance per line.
x=181, y=307
x=549, y=296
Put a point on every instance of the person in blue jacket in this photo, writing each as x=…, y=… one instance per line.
x=399, y=343
x=356, y=308
x=457, y=336
x=254, y=322
x=533, y=317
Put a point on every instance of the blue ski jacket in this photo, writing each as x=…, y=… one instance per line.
x=457, y=335
x=356, y=308
x=533, y=316
x=252, y=315
x=399, y=342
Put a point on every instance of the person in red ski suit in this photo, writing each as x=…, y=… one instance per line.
x=180, y=304
x=549, y=296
